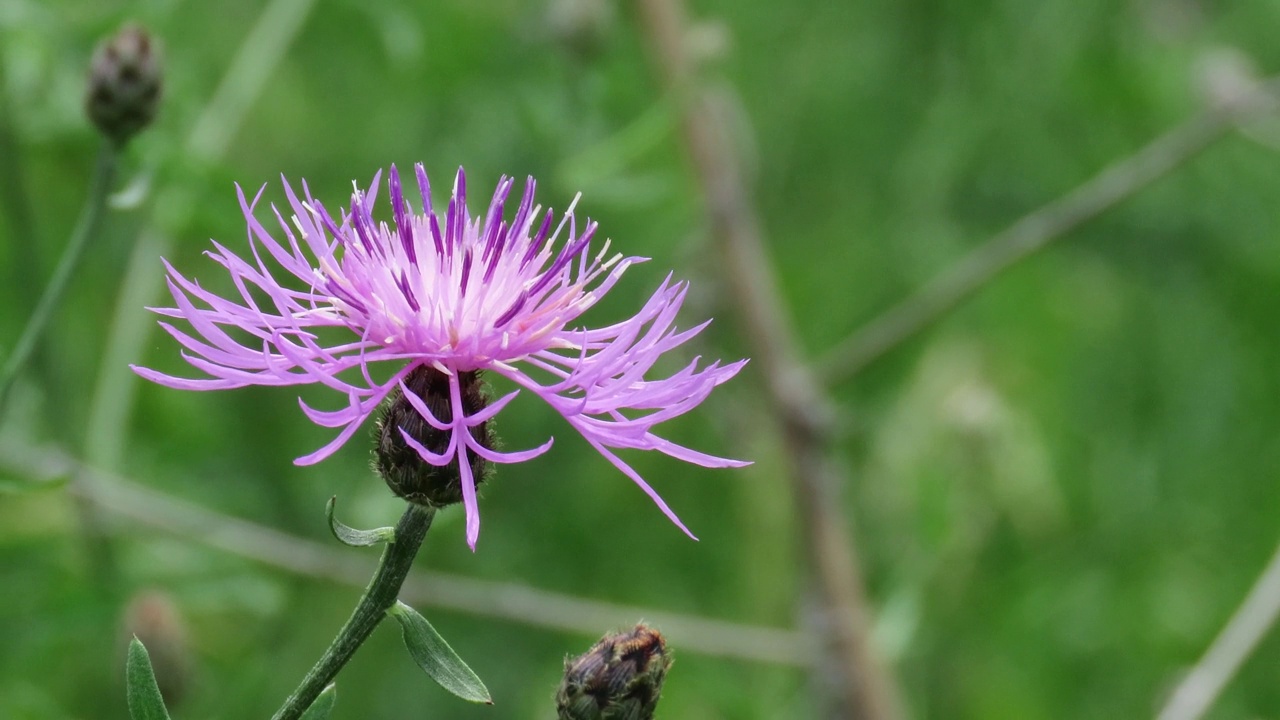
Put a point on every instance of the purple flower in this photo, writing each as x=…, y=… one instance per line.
x=450, y=294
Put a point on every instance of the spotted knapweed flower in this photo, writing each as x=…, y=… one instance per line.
x=441, y=299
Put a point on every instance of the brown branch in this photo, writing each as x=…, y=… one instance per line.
x=515, y=602
x=1036, y=230
x=858, y=685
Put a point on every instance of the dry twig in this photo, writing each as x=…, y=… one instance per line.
x=518, y=603
x=1034, y=231
x=1251, y=622
x=855, y=679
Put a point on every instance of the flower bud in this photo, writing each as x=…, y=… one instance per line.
x=582, y=27
x=124, y=83
x=154, y=618
x=619, y=678
x=405, y=472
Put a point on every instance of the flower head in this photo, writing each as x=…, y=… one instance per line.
x=441, y=299
x=125, y=81
x=619, y=678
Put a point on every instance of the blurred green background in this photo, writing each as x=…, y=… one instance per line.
x=1061, y=492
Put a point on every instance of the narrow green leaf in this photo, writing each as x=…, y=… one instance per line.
x=323, y=705
x=19, y=485
x=351, y=536
x=145, y=702
x=435, y=656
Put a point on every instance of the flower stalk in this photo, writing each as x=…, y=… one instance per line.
x=378, y=598
x=86, y=227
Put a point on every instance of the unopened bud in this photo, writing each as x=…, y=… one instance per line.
x=581, y=26
x=125, y=81
x=619, y=678
x=154, y=618
x=405, y=472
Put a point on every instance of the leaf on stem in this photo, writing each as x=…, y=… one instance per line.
x=19, y=485
x=351, y=536
x=435, y=656
x=323, y=704
x=145, y=702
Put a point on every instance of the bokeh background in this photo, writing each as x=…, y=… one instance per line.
x=1060, y=493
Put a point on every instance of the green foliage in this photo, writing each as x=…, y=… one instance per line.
x=145, y=702
x=436, y=658
x=1061, y=492
x=353, y=537
x=323, y=705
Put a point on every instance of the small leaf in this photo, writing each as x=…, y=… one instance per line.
x=435, y=656
x=20, y=485
x=351, y=536
x=323, y=704
x=145, y=702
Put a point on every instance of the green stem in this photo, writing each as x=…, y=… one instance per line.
x=13, y=193
x=380, y=595
x=86, y=228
